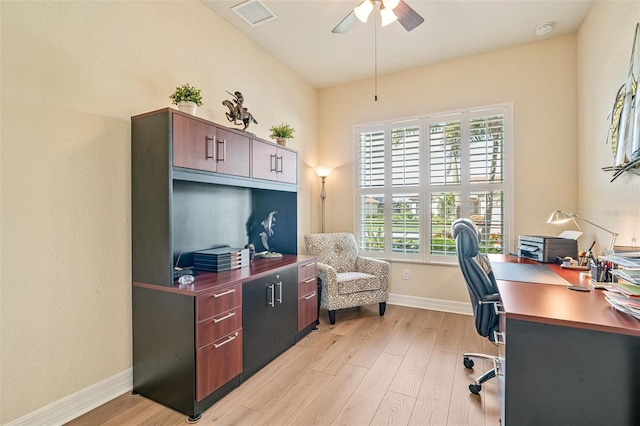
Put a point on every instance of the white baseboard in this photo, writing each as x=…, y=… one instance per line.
x=433, y=304
x=79, y=403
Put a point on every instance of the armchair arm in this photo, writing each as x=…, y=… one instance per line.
x=379, y=268
x=327, y=274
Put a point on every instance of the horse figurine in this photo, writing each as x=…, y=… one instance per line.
x=237, y=114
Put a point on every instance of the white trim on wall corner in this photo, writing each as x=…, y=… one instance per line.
x=79, y=403
x=433, y=304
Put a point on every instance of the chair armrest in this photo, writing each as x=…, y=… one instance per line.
x=377, y=267
x=491, y=298
x=327, y=274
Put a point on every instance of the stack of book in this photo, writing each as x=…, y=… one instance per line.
x=624, y=294
x=220, y=259
x=624, y=303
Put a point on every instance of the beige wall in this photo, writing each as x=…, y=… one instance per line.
x=73, y=73
x=604, y=49
x=539, y=79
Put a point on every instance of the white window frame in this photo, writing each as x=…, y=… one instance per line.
x=425, y=189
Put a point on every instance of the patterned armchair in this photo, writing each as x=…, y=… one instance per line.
x=348, y=280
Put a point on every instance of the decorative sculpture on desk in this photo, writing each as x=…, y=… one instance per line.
x=238, y=114
x=268, y=223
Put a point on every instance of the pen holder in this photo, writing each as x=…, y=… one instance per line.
x=601, y=274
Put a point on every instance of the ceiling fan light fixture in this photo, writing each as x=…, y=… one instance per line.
x=363, y=10
x=387, y=16
x=390, y=4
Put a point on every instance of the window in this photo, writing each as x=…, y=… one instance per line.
x=415, y=177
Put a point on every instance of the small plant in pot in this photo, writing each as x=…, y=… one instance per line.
x=281, y=132
x=187, y=98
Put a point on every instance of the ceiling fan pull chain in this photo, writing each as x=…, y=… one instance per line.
x=375, y=57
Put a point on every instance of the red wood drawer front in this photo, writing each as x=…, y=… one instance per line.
x=307, y=286
x=218, y=325
x=218, y=301
x=307, y=309
x=217, y=363
x=306, y=271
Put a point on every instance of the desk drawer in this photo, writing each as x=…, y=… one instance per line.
x=217, y=326
x=218, y=301
x=307, y=286
x=306, y=271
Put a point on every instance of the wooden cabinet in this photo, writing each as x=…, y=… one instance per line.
x=191, y=189
x=272, y=162
x=202, y=146
x=307, y=295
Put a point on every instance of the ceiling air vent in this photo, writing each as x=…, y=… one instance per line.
x=254, y=12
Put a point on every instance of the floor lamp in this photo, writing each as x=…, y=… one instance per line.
x=559, y=216
x=323, y=172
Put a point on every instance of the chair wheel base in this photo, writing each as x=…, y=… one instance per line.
x=468, y=362
x=475, y=389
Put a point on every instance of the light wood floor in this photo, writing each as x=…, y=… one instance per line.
x=401, y=369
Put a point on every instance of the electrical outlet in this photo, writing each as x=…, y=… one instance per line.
x=405, y=274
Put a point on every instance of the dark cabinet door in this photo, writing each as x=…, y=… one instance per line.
x=285, y=318
x=232, y=153
x=194, y=144
x=269, y=314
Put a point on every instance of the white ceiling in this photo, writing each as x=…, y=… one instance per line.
x=301, y=36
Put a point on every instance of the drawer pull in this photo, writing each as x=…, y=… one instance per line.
x=312, y=295
x=499, y=337
x=217, y=345
x=224, y=293
x=229, y=315
x=309, y=280
x=307, y=264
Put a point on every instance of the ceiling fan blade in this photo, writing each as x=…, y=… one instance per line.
x=408, y=17
x=346, y=24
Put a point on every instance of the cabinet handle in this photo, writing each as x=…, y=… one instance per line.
x=496, y=307
x=272, y=303
x=223, y=158
x=498, y=366
x=217, y=345
x=229, y=315
x=210, y=153
x=312, y=295
x=499, y=338
x=309, y=280
x=307, y=265
x=224, y=293
x=273, y=163
x=279, y=284
x=281, y=164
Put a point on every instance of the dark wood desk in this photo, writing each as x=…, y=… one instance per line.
x=570, y=358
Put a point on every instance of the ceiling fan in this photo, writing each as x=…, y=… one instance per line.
x=390, y=11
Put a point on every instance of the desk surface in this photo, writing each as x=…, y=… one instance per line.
x=555, y=304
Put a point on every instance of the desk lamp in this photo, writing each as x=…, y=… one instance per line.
x=323, y=172
x=559, y=216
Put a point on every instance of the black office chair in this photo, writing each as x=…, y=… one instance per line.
x=483, y=291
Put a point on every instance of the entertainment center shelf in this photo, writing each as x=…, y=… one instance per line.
x=198, y=185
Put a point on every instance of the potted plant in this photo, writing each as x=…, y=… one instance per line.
x=187, y=98
x=281, y=132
